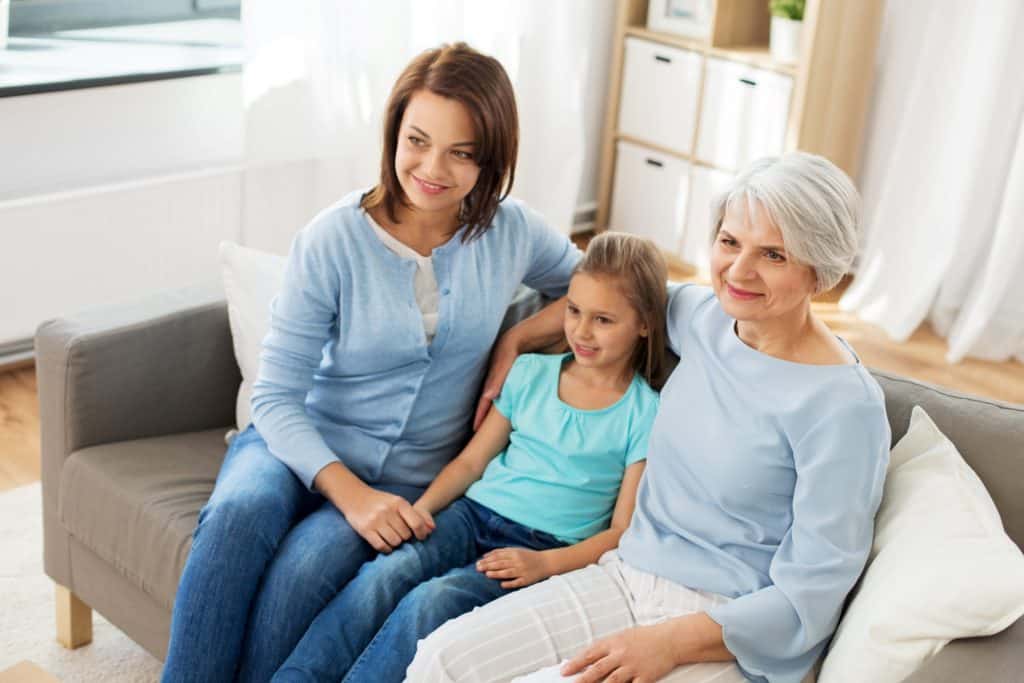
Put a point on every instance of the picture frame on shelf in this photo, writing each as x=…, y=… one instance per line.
x=688, y=18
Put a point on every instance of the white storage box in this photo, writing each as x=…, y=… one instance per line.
x=650, y=193
x=705, y=184
x=660, y=87
x=743, y=115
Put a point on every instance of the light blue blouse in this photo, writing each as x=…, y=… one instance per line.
x=346, y=372
x=563, y=467
x=762, y=483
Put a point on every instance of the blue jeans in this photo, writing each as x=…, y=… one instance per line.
x=267, y=555
x=368, y=632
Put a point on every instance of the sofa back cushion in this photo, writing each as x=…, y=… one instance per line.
x=989, y=435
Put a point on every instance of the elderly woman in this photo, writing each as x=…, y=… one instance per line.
x=765, y=470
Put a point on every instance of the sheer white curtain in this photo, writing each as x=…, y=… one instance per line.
x=318, y=73
x=944, y=178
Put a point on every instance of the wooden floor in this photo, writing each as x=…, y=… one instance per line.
x=19, y=428
x=922, y=357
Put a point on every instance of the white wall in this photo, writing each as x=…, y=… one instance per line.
x=599, y=30
x=110, y=193
x=78, y=250
x=68, y=140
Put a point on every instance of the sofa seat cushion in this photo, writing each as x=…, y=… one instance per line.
x=135, y=503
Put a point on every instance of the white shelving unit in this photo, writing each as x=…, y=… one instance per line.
x=685, y=113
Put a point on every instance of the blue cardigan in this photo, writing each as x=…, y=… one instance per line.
x=346, y=372
x=762, y=482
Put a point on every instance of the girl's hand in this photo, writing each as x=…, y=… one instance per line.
x=642, y=654
x=517, y=567
x=386, y=520
x=425, y=514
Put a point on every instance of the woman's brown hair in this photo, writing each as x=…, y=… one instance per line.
x=636, y=265
x=480, y=83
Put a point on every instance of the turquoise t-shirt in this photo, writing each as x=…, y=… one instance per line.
x=563, y=466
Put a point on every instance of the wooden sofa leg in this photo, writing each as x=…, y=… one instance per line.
x=74, y=619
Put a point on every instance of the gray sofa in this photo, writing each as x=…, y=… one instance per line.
x=135, y=401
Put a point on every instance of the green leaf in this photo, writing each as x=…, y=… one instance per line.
x=789, y=9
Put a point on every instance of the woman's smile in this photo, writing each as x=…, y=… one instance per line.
x=428, y=188
x=741, y=294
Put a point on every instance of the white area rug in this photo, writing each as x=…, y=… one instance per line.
x=27, y=614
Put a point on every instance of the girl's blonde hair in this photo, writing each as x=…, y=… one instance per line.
x=636, y=265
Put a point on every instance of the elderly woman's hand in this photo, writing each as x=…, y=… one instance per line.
x=642, y=654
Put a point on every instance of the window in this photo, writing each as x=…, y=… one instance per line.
x=34, y=17
x=72, y=44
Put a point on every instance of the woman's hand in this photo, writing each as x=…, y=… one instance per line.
x=642, y=654
x=516, y=567
x=386, y=520
x=502, y=358
x=647, y=653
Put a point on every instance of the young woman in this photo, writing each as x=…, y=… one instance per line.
x=558, y=457
x=379, y=340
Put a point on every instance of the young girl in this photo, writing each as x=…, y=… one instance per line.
x=548, y=482
x=379, y=337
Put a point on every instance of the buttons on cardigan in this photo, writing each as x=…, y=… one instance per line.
x=445, y=291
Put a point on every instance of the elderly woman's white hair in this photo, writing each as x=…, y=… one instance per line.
x=813, y=204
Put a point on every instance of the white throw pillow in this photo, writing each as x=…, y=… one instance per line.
x=941, y=566
x=251, y=280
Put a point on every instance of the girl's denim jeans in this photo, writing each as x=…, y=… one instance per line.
x=368, y=632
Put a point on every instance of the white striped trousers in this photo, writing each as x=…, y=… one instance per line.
x=533, y=630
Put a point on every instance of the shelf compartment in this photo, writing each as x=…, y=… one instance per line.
x=660, y=92
x=650, y=195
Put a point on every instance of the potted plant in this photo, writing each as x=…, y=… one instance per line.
x=787, y=20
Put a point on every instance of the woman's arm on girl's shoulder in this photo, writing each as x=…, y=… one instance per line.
x=542, y=329
x=469, y=465
x=518, y=567
x=549, y=267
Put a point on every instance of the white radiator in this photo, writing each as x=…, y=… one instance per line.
x=61, y=253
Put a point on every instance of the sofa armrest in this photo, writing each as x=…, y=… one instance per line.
x=160, y=365
x=995, y=658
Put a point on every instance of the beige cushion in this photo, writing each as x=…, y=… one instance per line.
x=988, y=434
x=251, y=280
x=941, y=566
x=135, y=503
